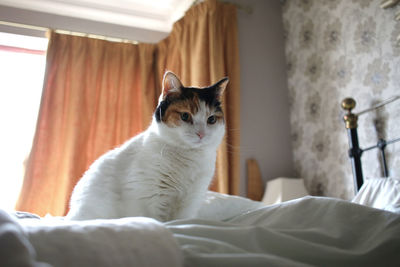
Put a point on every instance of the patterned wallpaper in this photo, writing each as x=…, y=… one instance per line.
x=336, y=49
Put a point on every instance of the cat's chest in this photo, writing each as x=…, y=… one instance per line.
x=173, y=167
x=175, y=164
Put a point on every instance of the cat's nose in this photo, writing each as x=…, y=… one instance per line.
x=200, y=134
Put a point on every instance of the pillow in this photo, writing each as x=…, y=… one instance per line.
x=380, y=193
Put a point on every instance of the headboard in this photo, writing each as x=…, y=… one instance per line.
x=355, y=151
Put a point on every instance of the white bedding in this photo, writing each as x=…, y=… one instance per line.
x=135, y=241
x=305, y=232
x=381, y=193
x=230, y=231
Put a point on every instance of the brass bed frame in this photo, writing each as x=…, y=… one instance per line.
x=355, y=151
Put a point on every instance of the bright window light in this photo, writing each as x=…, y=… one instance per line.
x=22, y=65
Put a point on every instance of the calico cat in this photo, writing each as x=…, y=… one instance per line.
x=165, y=171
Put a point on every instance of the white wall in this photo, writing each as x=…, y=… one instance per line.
x=265, y=127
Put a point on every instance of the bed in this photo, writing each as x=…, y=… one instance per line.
x=228, y=231
x=355, y=150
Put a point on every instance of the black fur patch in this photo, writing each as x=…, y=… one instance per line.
x=161, y=108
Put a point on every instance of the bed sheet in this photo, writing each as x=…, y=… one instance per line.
x=382, y=193
x=55, y=241
x=311, y=231
x=229, y=231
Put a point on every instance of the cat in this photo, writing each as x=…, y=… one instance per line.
x=165, y=171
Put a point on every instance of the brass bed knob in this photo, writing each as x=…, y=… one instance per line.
x=348, y=104
x=350, y=118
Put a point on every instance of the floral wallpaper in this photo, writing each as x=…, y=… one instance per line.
x=337, y=49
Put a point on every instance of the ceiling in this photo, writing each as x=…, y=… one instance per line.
x=156, y=15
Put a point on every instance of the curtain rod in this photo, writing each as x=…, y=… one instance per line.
x=97, y=36
x=25, y=26
x=90, y=35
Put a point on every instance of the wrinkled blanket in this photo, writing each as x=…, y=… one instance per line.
x=310, y=231
x=229, y=231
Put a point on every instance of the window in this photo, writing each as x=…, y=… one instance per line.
x=22, y=65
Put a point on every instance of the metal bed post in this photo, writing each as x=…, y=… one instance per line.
x=382, y=145
x=355, y=151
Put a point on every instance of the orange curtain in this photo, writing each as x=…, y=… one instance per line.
x=202, y=48
x=97, y=94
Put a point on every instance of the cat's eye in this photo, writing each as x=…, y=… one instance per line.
x=185, y=116
x=212, y=119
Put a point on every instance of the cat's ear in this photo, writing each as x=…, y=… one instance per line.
x=220, y=87
x=171, y=83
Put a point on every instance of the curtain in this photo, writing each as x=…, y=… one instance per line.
x=202, y=48
x=97, y=94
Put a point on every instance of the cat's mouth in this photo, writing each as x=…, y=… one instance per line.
x=199, y=141
x=194, y=140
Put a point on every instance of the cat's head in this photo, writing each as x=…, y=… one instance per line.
x=189, y=116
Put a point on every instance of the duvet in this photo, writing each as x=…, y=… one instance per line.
x=229, y=231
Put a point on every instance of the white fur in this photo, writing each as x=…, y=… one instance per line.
x=162, y=173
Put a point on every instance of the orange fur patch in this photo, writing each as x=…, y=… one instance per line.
x=219, y=116
x=172, y=115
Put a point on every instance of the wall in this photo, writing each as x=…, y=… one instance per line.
x=265, y=128
x=337, y=49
